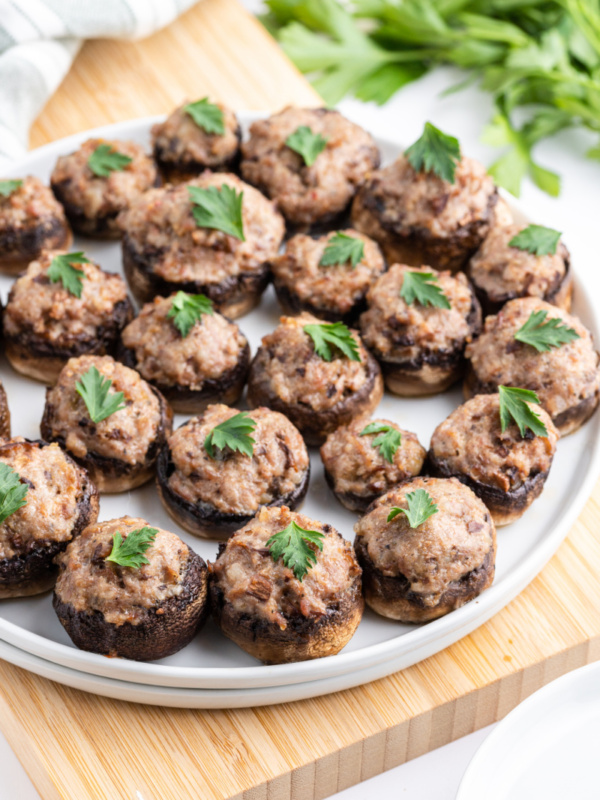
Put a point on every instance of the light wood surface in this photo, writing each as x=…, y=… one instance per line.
x=77, y=746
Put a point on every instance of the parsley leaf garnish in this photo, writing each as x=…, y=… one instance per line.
x=421, y=286
x=388, y=442
x=186, y=310
x=129, y=552
x=420, y=508
x=93, y=388
x=62, y=269
x=292, y=545
x=306, y=143
x=233, y=433
x=333, y=334
x=342, y=248
x=218, y=209
x=545, y=335
x=435, y=152
x=207, y=116
x=537, y=240
x=8, y=187
x=514, y=405
x=12, y=492
x=105, y=159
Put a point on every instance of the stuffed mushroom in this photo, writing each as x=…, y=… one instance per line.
x=320, y=375
x=109, y=419
x=142, y=599
x=47, y=500
x=62, y=307
x=417, y=325
x=219, y=469
x=418, y=567
x=280, y=611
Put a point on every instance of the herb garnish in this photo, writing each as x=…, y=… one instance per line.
x=62, y=269
x=545, y=335
x=233, y=433
x=8, y=187
x=342, y=248
x=333, y=334
x=105, y=159
x=514, y=406
x=187, y=309
x=219, y=209
x=435, y=152
x=422, y=287
x=206, y=115
x=536, y=239
x=306, y=143
x=129, y=552
x=388, y=442
x=94, y=389
x=292, y=545
x=420, y=508
x=12, y=492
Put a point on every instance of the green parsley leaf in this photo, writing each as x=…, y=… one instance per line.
x=207, y=116
x=333, y=334
x=420, y=508
x=537, y=240
x=12, y=492
x=435, y=152
x=218, y=209
x=187, y=309
x=388, y=442
x=62, y=269
x=545, y=335
x=234, y=433
x=93, y=388
x=292, y=545
x=421, y=286
x=129, y=552
x=342, y=248
x=105, y=159
x=8, y=187
x=514, y=405
x=306, y=143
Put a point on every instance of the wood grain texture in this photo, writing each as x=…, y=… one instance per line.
x=73, y=745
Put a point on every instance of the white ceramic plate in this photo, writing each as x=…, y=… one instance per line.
x=211, y=661
x=547, y=747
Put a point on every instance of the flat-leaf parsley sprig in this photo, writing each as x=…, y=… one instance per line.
x=341, y=249
x=545, y=335
x=8, y=187
x=423, y=287
x=328, y=335
x=420, y=508
x=537, y=239
x=292, y=544
x=129, y=552
x=435, y=152
x=388, y=441
x=12, y=492
x=207, y=116
x=233, y=433
x=106, y=159
x=307, y=144
x=62, y=268
x=187, y=309
x=100, y=402
x=514, y=406
x=219, y=209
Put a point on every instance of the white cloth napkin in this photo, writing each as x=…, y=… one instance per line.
x=39, y=40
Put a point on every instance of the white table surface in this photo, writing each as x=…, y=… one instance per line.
x=436, y=776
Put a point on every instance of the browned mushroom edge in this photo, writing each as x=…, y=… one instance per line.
x=182, y=170
x=350, y=500
x=19, y=248
x=4, y=414
x=293, y=305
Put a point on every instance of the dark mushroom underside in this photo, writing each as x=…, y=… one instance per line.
x=180, y=170
x=351, y=500
x=293, y=305
x=19, y=247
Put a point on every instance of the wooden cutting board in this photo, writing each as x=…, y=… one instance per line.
x=77, y=746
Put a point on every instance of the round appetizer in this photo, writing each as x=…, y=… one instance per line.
x=437, y=216
x=194, y=137
x=536, y=346
x=62, y=307
x=4, y=414
x=319, y=374
x=129, y=590
x=327, y=276
x=426, y=548
x=98, y=181
x=109, y=419
x=218, y=469
x=46, y=500
x=192, y=354
x=31, y=220
x=505, y=463
x=286, y=588
x=310, y=160
x=417, y=325
x=517, y=261
x=212, y=236
x=366, y=458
